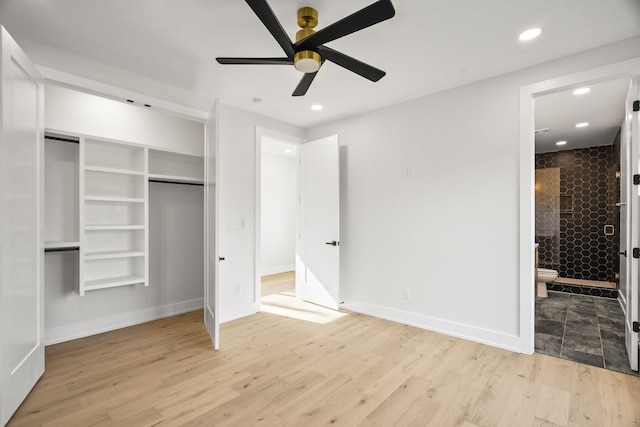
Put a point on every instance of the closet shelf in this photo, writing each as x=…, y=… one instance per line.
x=176, y=178
x=113, y=170
x=89, y=256
x=112, y=282
x=113, y=199
x=60, y=245
x=113, y=227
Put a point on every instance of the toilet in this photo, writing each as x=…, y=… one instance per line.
x=544, y=275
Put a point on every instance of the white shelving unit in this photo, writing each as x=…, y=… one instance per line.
x=113, y=214
x=97, y=203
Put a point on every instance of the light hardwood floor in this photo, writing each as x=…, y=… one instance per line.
x=278, y=283
x=278, y=371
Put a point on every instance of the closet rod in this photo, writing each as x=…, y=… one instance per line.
x=70, y=248
x=57, y=138
x=199, y=184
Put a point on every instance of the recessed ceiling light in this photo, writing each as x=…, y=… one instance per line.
x=530, y=34
x=316, y=107
x=288, y=150
x=561, y=143
x=582, y=91
x=582, y=125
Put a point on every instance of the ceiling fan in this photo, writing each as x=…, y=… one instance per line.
x=308, y=53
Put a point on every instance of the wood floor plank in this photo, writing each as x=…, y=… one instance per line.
x=283, y=371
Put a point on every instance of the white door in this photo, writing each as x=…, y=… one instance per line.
x=318, y=248
x=631, y=297
x=625, y=213
x=21, y=237
x=211, y=270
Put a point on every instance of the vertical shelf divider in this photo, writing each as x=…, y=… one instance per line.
x=114, y=212
x=81, y=221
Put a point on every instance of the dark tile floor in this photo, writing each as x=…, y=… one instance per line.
x=582, y=328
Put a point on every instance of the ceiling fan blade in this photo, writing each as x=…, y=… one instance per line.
x=262, y=9
x=256, y=61
x=304, y=84
x=365, y=70
x=370, y=15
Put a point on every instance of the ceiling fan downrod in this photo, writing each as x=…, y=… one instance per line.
x=307, y=61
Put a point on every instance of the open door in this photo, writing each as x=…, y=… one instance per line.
x=21, y=237
x=318, y=246
x=211, y=270
x=630, y=296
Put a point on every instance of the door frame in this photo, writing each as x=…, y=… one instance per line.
x=260, y=133
x=623, y=69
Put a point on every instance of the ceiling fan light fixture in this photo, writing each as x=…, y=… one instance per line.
x=307, y=61
x=309, y=52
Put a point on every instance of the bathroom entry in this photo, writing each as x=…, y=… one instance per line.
x=577, y=171
x=580, y=142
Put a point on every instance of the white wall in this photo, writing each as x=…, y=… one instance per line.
x=236, y=192
x=278, y=213
x=429, y=202
x=82, y=113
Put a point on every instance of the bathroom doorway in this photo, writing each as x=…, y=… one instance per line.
x=577, y=224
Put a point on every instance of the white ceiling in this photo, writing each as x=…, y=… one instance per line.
x=167, y=48
x=602, y=107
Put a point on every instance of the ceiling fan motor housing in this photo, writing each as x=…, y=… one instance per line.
x=307, y=61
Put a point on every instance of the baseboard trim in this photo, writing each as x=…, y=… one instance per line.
x=237, y=312
x=105, y=324
x=267, y=271
x=447, y=327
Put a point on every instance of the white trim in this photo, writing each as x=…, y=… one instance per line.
x=617, y=70
x=239, y=311
x=72, y=81
x=105, y=324
x=459, y=330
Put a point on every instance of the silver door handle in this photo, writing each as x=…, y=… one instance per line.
x=620, y=204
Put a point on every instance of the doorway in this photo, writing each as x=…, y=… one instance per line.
x=277, y=164
x=577, y=224
x=564, y=207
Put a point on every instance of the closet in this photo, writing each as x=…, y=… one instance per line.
x=124, y=215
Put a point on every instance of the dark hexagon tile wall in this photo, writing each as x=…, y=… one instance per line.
x=589, y=191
